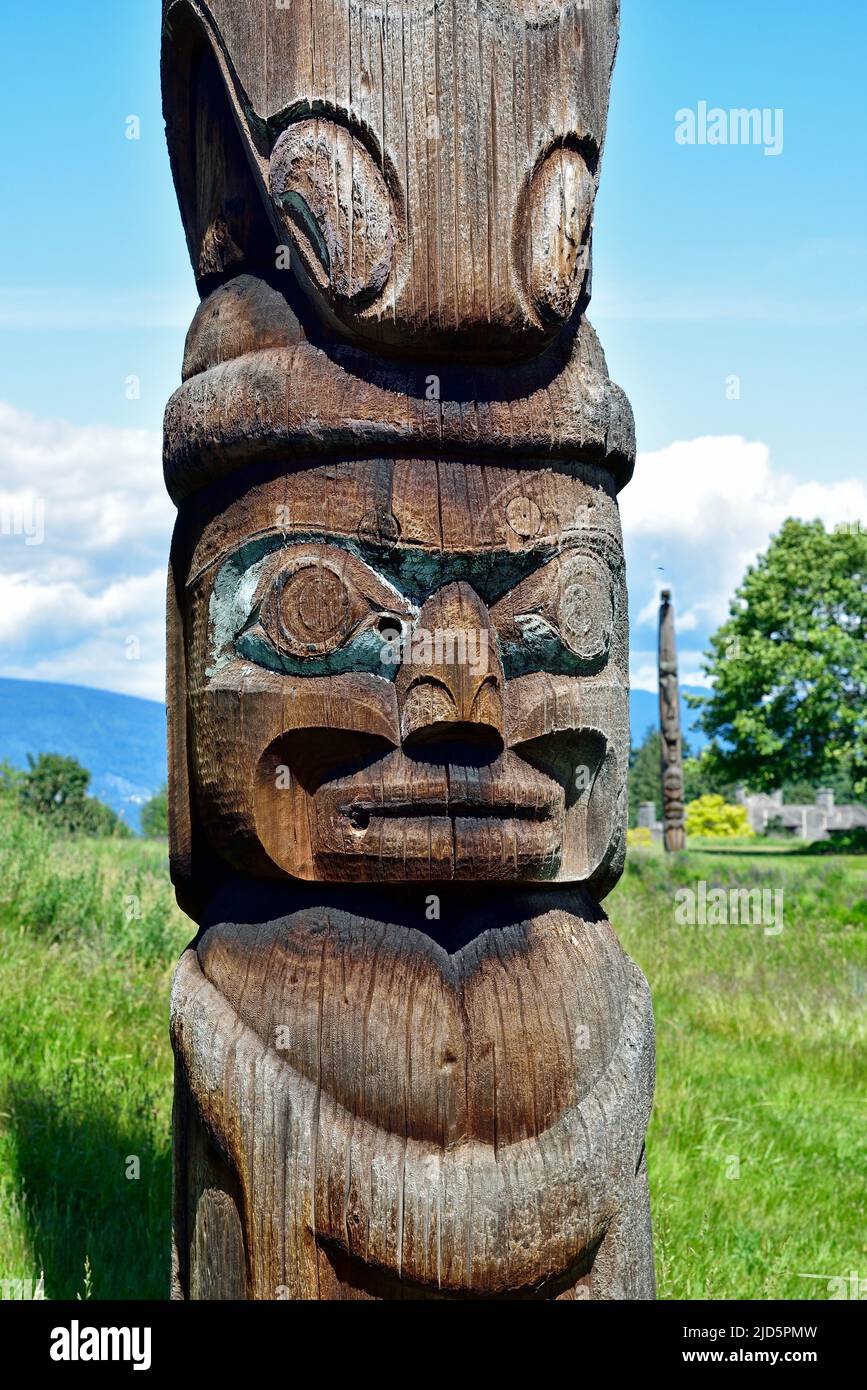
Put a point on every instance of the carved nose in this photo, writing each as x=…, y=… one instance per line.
x=450, y=686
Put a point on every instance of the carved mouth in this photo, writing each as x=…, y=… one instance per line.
x=507, y=791
x=441, y=821
x=360, y=814
x=518, y=819
x=540, y=812
x=370, y=1280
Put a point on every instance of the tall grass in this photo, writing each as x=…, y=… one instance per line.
x=88, y=935
x=755, y=1149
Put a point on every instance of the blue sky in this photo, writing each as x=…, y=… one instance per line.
x=709, y=263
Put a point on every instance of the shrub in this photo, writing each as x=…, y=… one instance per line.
x=852, y=841
x=155, y=815
x=111, y=896
x=10, y=781
x=639, y=836
x=714, y=819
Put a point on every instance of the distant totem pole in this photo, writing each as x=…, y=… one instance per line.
x=412, y=1059
x=671, y=750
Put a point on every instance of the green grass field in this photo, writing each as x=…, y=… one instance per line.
x=756, y=1147
x=88, y=934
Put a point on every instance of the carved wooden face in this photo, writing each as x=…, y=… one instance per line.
x=412, y=671
x=409, y=664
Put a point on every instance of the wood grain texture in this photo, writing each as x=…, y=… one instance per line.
x=439, y=1119
x=412, y=1060
x=481, y=122
x=671, y=745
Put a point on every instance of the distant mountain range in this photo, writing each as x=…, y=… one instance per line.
x=121, y=740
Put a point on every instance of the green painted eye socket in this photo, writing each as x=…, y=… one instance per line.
x=559, y=619
x=318, y=609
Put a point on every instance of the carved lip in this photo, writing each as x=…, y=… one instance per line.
x=509, y=789
x=360, y=813
x=401, y=819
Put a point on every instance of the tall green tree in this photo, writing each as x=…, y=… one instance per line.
x=155, y=814
x=645, y=775
x=56, y=787
x=789, y=699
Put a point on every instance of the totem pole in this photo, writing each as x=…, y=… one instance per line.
x=412, y=1059
x=673, y=832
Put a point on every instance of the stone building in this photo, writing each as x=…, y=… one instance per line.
x=648, y=820
x=804, y=822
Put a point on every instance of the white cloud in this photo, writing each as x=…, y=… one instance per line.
x=61, y=610
x=695, y=515
x=85, y=526
x=105, y=661
x=687, y=621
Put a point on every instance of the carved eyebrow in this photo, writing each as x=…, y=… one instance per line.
x=417, y=572
x=384, y=559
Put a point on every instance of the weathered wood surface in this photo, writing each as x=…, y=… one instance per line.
x=412, y=1059
x=414, y=1121
x=671, y=748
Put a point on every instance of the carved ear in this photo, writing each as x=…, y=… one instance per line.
x=218, y=150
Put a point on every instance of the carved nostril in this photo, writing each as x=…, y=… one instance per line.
x=336, y=206
x=430, y=716
x=487, y=706
x=555, y=232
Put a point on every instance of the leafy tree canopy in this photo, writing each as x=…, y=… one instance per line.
x=789, y=701
x=56, y=787
x=155, y=814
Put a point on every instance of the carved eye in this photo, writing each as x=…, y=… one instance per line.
x=555, y=233
x=311, y=600
x=558, y=618
x=310, y=611
x=586, y=611
x=336, y=205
